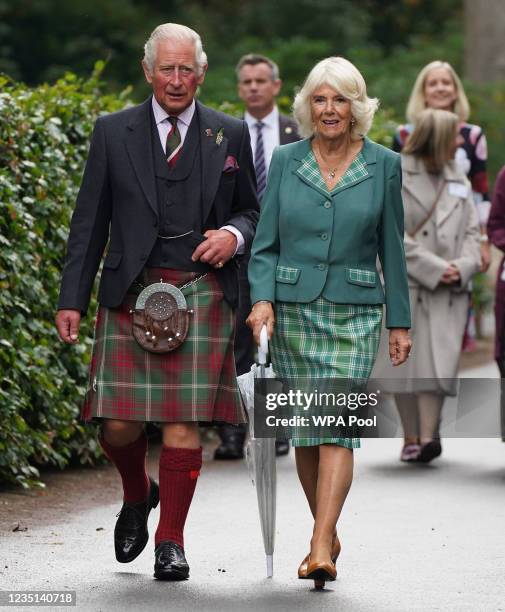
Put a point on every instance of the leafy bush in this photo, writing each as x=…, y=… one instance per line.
x=44, y=139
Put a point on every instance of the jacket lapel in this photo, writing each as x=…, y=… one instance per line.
x=213, y=154
x=139, y=147
x=302, y=150
x=453, y=183
x=417, y=183
x=370, y=156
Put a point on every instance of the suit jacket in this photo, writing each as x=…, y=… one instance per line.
x=117, y=202
x=288, y=130
x=310, y=243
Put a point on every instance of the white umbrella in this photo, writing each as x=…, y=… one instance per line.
x=260, y=453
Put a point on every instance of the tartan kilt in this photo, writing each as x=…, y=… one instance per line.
x=195, y=382
x=322, y=339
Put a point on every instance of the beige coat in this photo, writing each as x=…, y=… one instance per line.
x=451, y=235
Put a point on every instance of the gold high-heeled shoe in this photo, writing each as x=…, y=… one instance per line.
x=335, y=551
x=321, y=571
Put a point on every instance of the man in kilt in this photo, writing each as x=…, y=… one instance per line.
x=169, y=187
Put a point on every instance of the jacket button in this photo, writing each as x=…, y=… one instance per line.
x=324, y=236
x=321, y=266
x=327, y=204
x=425, y=232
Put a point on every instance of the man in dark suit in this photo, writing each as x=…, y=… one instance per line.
x=258, y=86
x=169, y=185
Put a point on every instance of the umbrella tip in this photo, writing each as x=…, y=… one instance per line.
x=270, y=566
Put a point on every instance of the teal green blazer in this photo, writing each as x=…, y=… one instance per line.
x=311, y=243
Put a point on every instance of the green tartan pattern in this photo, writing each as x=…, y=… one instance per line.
x=196, y=382
x=285, y=274
x=310, y=171
x=322, y=339
x=363, y=277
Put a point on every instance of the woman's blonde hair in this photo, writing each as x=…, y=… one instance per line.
x=433, y=138
x=417, y=100
x=342, y=76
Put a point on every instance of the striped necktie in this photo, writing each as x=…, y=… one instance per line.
x=173, y=145
x=259, y=162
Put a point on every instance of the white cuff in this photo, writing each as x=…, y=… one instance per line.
x=238, y=235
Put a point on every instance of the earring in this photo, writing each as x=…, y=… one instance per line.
x=353, y=121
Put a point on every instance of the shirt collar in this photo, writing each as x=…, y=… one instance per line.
x=271, y=120
x=161, y=114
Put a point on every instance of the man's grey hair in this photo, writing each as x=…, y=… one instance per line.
x=174, y=31
x=253, y=59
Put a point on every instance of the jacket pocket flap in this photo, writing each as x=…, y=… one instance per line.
x=357, y=276
x=113, y=259
x=285, y=274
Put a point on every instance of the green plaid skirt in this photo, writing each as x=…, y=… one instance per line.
x=322, y=339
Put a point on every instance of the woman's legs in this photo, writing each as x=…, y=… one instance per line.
x=307, y=464
x=430, y=407
x=334, y=478
x=407, y=406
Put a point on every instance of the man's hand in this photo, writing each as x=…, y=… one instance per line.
x=399, y=345
x=67, y=324
x=451, y=275
x=219, y=247
x=262, y=313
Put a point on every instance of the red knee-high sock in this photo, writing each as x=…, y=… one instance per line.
x=130, y=461
x=179, y=470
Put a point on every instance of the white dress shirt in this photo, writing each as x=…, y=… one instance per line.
x=270, y=132
x=183, y=121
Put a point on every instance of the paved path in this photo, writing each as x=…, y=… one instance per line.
x=414, y=538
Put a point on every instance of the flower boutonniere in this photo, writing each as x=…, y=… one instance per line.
x=219, y=137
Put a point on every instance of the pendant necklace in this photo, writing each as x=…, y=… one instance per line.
x=332, y=172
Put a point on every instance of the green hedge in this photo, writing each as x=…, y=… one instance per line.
x=44, y=138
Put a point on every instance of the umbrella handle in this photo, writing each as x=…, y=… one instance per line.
x=263, y=346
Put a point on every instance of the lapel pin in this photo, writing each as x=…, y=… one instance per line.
x=219, y=137
x=288, y=130
x=208, y=132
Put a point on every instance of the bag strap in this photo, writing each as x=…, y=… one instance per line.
x=432, y=210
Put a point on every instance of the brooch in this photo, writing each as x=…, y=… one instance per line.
x=208, y=132
x=219, y=137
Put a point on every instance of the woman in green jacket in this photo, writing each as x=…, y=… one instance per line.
x=332, y=204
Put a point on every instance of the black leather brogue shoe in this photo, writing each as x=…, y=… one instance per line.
x=170, y=562
x=130, y=533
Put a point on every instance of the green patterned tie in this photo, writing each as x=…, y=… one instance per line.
x=173, y=141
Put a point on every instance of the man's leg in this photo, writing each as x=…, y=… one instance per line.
x=125, y=444
x=180, y=464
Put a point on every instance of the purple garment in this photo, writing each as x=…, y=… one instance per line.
x=496, y=232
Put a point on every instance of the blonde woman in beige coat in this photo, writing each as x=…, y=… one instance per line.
x=442, y=250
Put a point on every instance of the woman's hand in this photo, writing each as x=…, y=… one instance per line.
x=262, y=313
x=485, y=256
x=451, y=275
x=399, y=345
